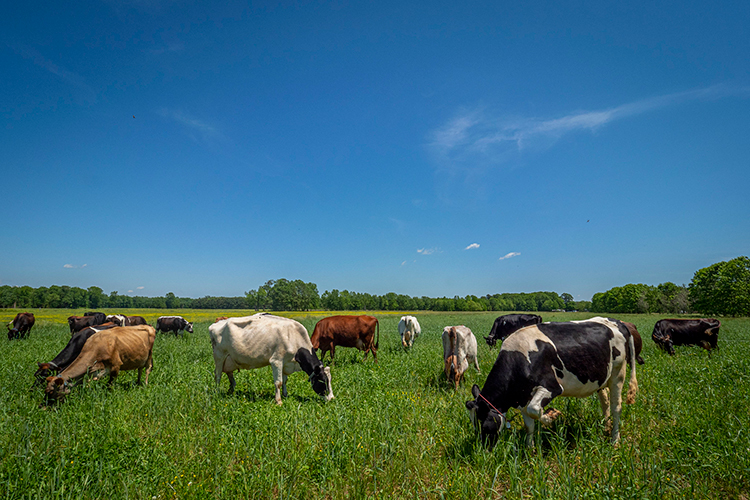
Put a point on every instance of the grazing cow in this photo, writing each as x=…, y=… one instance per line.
x=261, y=340
x=69, y=353
x=78, y=323
x=409, y=330
x=459, y=347
x=671, y=332
x=509, y=323
x=174, y=324
x=107, y=352
x=21, y=326
x=100, y=317
x=136, y=320
x=346, y=331
x=118, y=319
x=540, y=362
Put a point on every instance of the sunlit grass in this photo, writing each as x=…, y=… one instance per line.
x=395, y=429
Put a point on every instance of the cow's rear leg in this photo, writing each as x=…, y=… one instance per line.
x=279, y=380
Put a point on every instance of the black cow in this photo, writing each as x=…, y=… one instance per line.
x=22, y=324
x=174, y=324
x=509, y=323
x=78, y=323
x=69, y=353
x=540, y=362
x=671, y=332
x=136, y=320
x=100, y=317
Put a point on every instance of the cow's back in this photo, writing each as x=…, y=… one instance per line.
x=253, y=341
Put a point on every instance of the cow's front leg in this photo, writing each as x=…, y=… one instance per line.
x=232, y=382
x=283, y=385
x=528, y=422
x=540, y=397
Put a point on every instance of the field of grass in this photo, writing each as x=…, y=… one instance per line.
x=395, y=429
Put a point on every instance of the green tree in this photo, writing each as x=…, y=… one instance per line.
x=722, y=288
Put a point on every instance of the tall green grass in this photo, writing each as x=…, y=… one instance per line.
x=395, y=429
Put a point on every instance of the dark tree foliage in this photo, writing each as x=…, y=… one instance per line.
x=722, y=288
x=640, y=298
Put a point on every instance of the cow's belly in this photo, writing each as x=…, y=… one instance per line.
x=237, y=362
x=572, y=386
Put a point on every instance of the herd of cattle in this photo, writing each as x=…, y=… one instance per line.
x=537, y=361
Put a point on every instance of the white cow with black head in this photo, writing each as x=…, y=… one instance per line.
x=409, y=329
x=540, y=362
x=261, y=340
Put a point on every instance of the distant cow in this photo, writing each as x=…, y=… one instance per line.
x=409, y=329
x=69, y=353
x=459, y=348
x=21, y=326
x=509, y=323
x=78, y=323
x=261, y=340
x=346, y=331
x=540, y=362
x=118, y=319
x=220, y=318
x=106, y=353
x=671, y=332
x=174, y=324
x=136, y=320
x=100, y=317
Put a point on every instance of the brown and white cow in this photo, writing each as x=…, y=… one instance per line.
x=346, y=331
x=107, y=353
x=69, y=353
x=459, y=348
x=21, y=325
x=671, y=332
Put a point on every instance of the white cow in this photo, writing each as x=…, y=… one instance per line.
x=459, y=347
x=409, y=330
x=261, y=340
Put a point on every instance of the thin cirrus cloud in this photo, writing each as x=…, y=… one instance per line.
x=196, y=128
x=71, y=266
x=478, y=136
x=427, y=251
x=61, y=72
x=509, y=255
x=472, y=246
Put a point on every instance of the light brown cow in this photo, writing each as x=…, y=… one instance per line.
x=107, y=352
x=346, y=331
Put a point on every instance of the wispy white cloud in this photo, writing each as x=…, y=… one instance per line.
x=205, y=131
x=71, y=266
x=139, y=288
x=427, y=251
x=509, y=255
x=473, y=245
x=403, y=263
x=67, y=76
x=477, y=136
x=130, y=291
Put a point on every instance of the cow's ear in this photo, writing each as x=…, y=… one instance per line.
x=472, y=405
x=475, y=391
x=318, y=369
x=59, y=381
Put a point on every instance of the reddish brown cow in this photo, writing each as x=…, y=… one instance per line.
x=636, y=340
x=22, y=324
x=346, y=331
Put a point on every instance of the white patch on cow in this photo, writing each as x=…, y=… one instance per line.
x=525, y=341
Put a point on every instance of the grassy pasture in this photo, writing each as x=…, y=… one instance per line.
x=395, y=429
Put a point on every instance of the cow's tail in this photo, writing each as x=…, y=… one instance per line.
x=377, y=328
x=633, y=384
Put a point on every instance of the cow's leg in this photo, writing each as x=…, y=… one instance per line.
x=540, y=397
x=278, y=379
x=148, y=367
x=476, y=365
x=616, y=382
x=333, y=350
x=528, y=422
x=113, y=373
x=283, y=385
x=218, y=371
x=232, y=382
x=603, y=395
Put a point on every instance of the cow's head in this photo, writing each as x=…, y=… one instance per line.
x=319, y=375
x=44, y=371
x=56, y=389
x=488, y=421
x=189, y=327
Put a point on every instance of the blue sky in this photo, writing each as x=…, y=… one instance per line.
x=439, y=149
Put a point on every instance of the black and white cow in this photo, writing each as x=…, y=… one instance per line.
x=509, y=323
x=540, y=362
x=174, y=324
x=118, y=319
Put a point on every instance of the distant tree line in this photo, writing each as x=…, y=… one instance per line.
x=721, y=289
